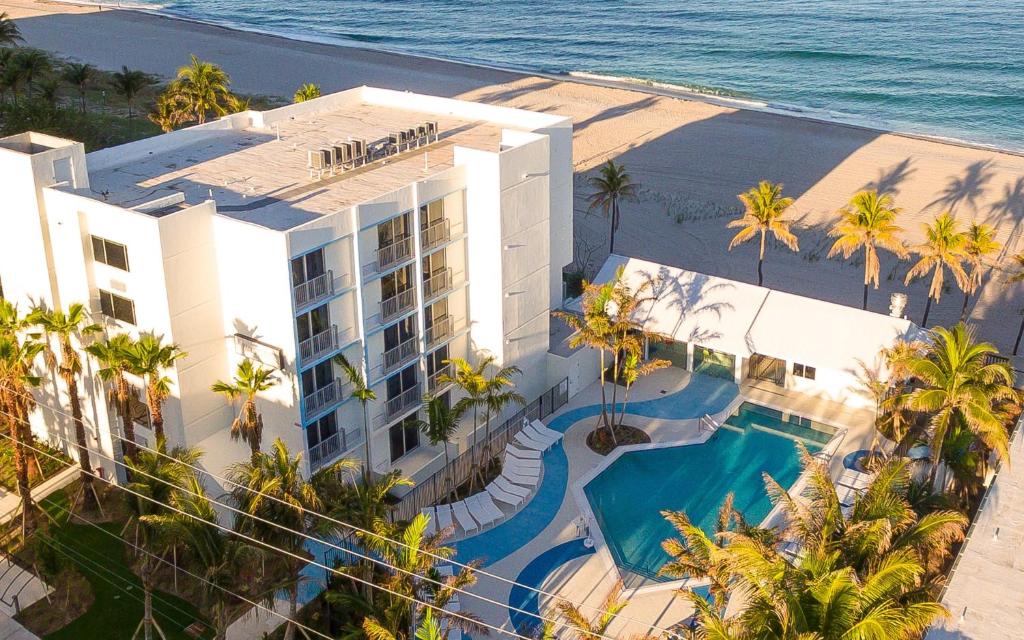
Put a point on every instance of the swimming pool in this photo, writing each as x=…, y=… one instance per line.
x=628, y=496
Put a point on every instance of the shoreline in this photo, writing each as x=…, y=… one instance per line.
x=650, y=87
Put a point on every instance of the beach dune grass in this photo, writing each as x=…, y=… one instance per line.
x=117, y=605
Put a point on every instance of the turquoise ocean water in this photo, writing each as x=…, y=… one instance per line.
x=951, y=68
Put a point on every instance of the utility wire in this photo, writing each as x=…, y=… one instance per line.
x=356, y=528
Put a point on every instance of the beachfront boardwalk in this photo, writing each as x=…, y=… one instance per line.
x=985, y=595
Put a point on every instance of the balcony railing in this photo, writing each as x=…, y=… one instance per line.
x=402, y=402
x=322, y=397
x=439, y=379
x=435, y=234
x=441, y=330
x=398, y=303
x=314, y=290
x=318, y=345
x=395, y=358
x=437, y=284
x=390, y=255
x=331, y=448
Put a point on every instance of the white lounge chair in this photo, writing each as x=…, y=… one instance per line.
x=462, y=514
x=847, y=495
x=855, y=479
x=508, y=487
x=529, y=442
x=522, y=469
x=444, y=516
x=524, y=464
x=522, y=454
x=544, y=431
x=504, y=496
x=483, y=512
x=431, y=520
x=526, y=481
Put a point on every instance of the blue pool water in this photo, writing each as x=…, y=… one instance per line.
x=703, y=394
x=629, y=495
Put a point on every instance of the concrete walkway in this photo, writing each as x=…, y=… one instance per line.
x=11, y=630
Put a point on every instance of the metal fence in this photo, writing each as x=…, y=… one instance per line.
x=433, y=489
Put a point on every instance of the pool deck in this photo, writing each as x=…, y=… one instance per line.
x=587, y=578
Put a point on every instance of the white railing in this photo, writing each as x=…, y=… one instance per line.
x=316, y=346
x=439, y=379
x=394, y=358
x=314, y=290
x=441, y=330
x=396, y=304
x=708, y=424
x=333, y=447
x=437, y=233
x=394, y=253
x=322, y=397
x=437, y=284
x=403, y=401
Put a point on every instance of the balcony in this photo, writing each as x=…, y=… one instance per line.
x=402, y=402
x=321, y=344
x=397, y=304
x=394, y=253
x=435, y=234
x=332, y=448
x=323, y=397
x=440, y=331
x=314, y=290
x=396, y=357
x=440, y=282
x=438, y=380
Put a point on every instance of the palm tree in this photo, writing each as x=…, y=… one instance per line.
x=170, y=111
x=869, y=221
x=160, y=480
x=440, y=427
x=79, y=75
x=273, y=489
x=961, y=384
x=8, y=75
x=114, y=357
x=129, y=83
x=308, y=91
x=634, y=368
x=16, y=403
x=945, y=247
x=872, y=567
x=594, y=329
x=980, y=244
x=148, y=358
x=596, y=629
x=250, y=379
x=499, y=393
x=10, y=35
x=415, y=555
x=764, y=208
x=204, y=86
x=1018, y=276
x=66, y=327
x=612, y=185
x=364, y=395
x=31, y=64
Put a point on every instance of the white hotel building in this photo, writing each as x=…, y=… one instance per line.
x=222, y=239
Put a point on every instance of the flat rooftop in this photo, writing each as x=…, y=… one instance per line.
x=260, y=173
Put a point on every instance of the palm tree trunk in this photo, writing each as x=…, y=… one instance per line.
x=83, y=445
x=604, y=398
x=366, y=444
x=21, y=470
x=81, y=98
x=963, y=310
x=472, y=451
x=927, y=310
x=615, y=389
x=611, y=243
x=147, y=615
x=449, y=479
x=156, y=413
x=293, y=609
x=865, y=307
x=127, y=424
x=760, y=262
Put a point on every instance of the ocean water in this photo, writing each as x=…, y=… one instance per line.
x=950, y=68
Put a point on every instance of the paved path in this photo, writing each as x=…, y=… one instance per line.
x=11, y=630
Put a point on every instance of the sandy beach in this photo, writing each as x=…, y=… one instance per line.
x=691, y=156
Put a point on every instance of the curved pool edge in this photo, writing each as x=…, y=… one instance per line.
x=524, y=599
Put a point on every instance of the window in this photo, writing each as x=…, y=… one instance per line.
x=404, y=436
x=399, y=333
x=108, y=252
x=395, y=283
x=116, y=307
x=401, y=382
x=313, y=322
x=307, y=267
x=431, y=213
x=321, y=430
x=436, y=360
x=394, y=230
x=317, y=378
x=433, y=264
x=803, y=371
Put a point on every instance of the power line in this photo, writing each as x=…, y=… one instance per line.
x=441, y=611
x=176, y=567
x=226, y=481
x=311, y=538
